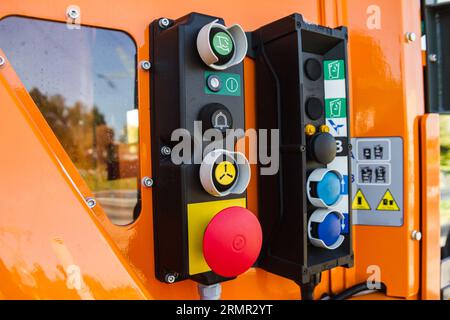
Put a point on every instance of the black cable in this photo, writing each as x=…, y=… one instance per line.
x=346, y=294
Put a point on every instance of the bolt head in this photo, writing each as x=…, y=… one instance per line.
x=166, y=151
x=91, y=202
x=164, y=23
x=2, y=61
x=170, y=278
x=147, y=182
x=73, y=13
x=433, y=57
x=411, y=37
x=416, y=235
x=146, y=65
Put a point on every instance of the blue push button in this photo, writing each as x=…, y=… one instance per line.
x=330, y=229
x=326, y=229
x=329, y=188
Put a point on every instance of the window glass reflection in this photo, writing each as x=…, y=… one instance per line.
x=84, y=83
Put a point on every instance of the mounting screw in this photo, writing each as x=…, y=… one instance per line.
x=166, y=151
x=416, y=235
x=410, y=37
x=91, y=202
x=433, y=57
x=164, y=23
x=170, y=278
x=73, y=13
x=2, y=61
x=146, y=65
x=147, y=182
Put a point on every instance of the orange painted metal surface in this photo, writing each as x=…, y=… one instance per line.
x=386, y=100
x=51, y=243
x=431, y=227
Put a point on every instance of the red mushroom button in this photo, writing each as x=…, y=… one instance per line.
x=232, y=242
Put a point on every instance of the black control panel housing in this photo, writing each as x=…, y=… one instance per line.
x=178, y=95
x=290, y=95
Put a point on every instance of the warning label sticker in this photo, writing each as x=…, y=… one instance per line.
x=377, y=181
x=388, y=203
x=360, y=202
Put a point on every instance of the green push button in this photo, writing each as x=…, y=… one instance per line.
x=222, y=43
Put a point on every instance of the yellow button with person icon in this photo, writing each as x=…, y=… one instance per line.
x=225, y=173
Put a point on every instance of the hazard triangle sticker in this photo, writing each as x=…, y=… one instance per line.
x=360, y=202
x=388, y=203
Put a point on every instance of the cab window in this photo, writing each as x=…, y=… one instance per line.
x=83, y=80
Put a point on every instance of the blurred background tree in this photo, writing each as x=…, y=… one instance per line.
x=90, y=143
x=445, y=144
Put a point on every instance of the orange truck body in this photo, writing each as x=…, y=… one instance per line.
x=53, y=246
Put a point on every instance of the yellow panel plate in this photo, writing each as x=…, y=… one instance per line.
x=199, y=216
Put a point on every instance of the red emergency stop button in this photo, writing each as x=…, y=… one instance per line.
x=232, y=242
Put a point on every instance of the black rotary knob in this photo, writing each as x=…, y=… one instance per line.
x=323, y=148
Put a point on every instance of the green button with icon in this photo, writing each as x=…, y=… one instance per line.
x=222, y=44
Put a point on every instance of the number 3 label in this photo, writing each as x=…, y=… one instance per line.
x=342, y=147
x=339, y=146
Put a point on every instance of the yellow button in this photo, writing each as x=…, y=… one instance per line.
x=324, y=129
x=225, y=173
x=310, y=130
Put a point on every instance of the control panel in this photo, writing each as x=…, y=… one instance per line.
x=202, y=228
x=302, y=91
